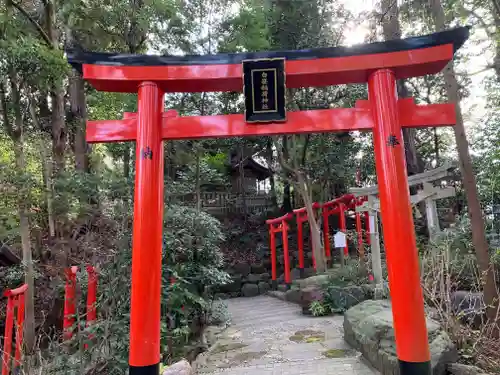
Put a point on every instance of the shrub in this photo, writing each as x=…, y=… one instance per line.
x=191, y=254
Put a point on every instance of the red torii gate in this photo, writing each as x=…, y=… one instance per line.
x=379, y=64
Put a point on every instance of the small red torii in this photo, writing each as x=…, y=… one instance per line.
x=279, y=225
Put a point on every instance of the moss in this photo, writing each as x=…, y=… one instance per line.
x=339, y=353
x=307, y=336
x=312, y=339
x=227, y=347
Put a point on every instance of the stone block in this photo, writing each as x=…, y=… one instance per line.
x=307, y=296
x=253, y=278
x=258, y=268
x=179, y=368
x=250, y=290
x=263, y=287
x=242, y=268
x=368, y=327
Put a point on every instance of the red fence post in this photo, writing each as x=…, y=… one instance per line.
x=284, y=231
x=69, y=303
x=343, y=226
x=410, y=328
x=300, y=245
x=15, y=299
x=274, y=271
x=7, y=341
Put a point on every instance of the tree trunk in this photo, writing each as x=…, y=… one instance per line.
x=126, y=160
x=23, y=208
x=78, y=116
x=46, y=173
x=392, y=30
x=57, y=121
x=269, y=146
x=319, y=254
x=287, y=200
x=198, y=187
x=469, y=180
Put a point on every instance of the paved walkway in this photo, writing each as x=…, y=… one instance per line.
x=270, y=337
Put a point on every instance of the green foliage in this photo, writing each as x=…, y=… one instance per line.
x=351, y=274
x=455, y=244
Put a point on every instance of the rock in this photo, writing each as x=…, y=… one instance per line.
x=179, y=368
x=242, y=268
x=258, y=268
x=368, y=327
x=250, y=290
x=267, y=264
x=253, y=278
x=344, y=298
x=313, y=281
x=235, y=294
x=460, y=369
x=233, y=286
x=293, y=295
x=308, y=272
x=295, y=274
x=307, y=296
x=265, y=276
x=263, y=287
x=282, y=288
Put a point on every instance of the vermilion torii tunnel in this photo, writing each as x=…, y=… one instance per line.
x=378, y=64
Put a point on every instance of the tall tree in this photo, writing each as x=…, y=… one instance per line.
x=469, y=180
x=392, y=30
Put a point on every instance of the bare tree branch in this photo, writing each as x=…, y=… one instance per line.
x=37, y=26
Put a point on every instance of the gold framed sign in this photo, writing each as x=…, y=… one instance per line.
x=264, y=90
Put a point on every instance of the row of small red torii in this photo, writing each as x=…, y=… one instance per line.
x=337, y=206
x=14, y=323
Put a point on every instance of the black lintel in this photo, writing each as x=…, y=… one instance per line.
x=456, y=36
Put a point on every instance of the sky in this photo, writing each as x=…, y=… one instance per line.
x=474, y=106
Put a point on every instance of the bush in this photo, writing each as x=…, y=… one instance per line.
x=191, y=255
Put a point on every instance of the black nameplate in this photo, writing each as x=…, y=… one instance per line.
x=264, y=89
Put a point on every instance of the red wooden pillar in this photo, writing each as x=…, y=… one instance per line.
x=15, y=300
x=300, y=245
x=7, y=340
x=402, y=260
x=343, y=226
x=326, y=232
x=286, y=255
x=368, y=229
x=69, y=302
x=147, y=239
x=274, y=272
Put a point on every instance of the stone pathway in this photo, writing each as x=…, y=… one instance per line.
x=268, y=336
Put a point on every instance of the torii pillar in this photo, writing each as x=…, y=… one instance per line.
x=379, y=64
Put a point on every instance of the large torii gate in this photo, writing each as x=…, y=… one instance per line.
x=378, y=64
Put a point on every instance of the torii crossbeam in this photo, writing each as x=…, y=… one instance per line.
x=378, y=64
